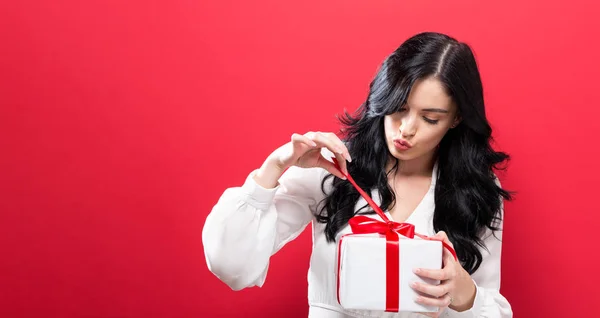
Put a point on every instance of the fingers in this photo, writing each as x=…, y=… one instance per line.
x=430, y=290
x=443, y=301
x=331, y=168
x=340, y=145
x=432, y=295
x=301, y=139
x=302, y=144
x=331, y=142
x=436, y=274
x=442, y=235
x=314, y=140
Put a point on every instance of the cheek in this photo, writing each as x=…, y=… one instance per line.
x=389, y=127
x=434, y=136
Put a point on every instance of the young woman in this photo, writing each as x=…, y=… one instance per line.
x=420, y=146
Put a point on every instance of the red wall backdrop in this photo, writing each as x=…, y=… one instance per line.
x=122, y=122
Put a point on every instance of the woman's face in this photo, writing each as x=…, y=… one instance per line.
x=417, y=129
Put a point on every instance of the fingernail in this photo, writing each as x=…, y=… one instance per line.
x=314, y=144
x=417, y=270
x=413, y=284
x=348, y=158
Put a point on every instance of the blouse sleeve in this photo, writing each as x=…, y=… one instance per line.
x=250, y=223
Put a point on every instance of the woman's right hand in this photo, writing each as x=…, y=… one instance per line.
x=304, y=151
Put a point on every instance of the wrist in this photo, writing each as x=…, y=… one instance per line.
x=269, y=173
x=465, y=297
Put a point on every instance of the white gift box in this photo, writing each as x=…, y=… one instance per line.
x=362, y=271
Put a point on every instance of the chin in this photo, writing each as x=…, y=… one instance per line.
x=404, y=155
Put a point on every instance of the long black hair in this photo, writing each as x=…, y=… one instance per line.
x=468, y=199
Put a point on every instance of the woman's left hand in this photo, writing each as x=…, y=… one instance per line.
x=456, y=289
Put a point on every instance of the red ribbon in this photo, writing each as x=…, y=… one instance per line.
x=361, y=224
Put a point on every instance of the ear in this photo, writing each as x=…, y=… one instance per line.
x=457, y=121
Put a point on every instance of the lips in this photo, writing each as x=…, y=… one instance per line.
x=402, y=144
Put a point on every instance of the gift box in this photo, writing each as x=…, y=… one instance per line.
x=375, y=262
x=369, y=280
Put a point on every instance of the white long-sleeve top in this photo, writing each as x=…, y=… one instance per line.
x=250, y=223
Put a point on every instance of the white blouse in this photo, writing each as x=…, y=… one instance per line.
x=251, y=223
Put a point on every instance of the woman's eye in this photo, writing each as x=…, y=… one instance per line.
x=431, y=121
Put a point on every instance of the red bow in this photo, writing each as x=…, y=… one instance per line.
x=361, y=224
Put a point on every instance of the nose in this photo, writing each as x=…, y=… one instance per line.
x=408, y=127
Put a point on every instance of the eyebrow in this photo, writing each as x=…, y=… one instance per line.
x=435, y=110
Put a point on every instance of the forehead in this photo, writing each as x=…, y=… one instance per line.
x=429, y=93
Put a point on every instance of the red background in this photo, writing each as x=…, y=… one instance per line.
x=122, y=122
